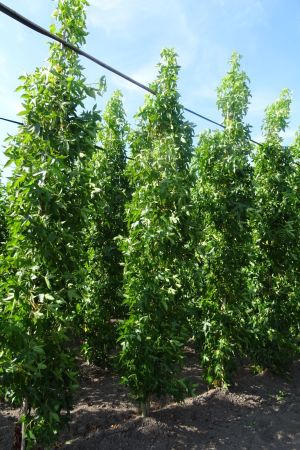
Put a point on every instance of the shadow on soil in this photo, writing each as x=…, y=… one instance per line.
x=259, y=412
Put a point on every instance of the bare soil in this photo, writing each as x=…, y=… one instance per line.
x=258, y=412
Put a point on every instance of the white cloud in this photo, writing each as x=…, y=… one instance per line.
x=113, y=16
x=289, y=134
x=259, y=101
x=156, y=21
x=144, y=74
x=35, y=6
x=151, y=26
x=206, y=92
x=188, y=43
x=245, y=13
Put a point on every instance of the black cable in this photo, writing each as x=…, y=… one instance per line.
x=35, y=27
x=21, y=123
x=203, y=117
x=12, y=121
x=28, y=23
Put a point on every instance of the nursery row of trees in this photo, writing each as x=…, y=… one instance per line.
x=126, y=261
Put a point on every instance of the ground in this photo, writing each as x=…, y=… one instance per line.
x=258, y=412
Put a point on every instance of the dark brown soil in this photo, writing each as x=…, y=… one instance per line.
x=259, y=412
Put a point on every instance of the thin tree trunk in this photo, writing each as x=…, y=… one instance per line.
x=145, y=408
x=23, y=430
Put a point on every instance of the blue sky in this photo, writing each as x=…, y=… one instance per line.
x=129, y=35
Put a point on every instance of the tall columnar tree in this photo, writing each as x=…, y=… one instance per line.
x=222, y=197
x=104, y=307
x=295, y=183
x=3, y=234
x=48, y=194
x=155, y=252
x=276, y=243
x=3, y=220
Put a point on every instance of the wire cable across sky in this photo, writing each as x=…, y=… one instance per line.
x=11, y=121
x=38, y=29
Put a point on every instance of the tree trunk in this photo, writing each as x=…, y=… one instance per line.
x=24, y=412
x=145, y=408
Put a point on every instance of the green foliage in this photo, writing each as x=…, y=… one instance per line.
x=103, y=306
x=295, y=184
x=222, y=198
x=207, y=247
x=41, y=370
x=156, y=249
x=3, y=224
x=234, y=94
x=44, y=271
x=277, y=118
x=275, y=267
x=71, y=17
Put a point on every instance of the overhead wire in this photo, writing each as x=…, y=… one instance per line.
x=11, y=121
x=37, y=28
x=21, y=123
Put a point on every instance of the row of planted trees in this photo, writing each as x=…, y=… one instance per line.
x=126, y=261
